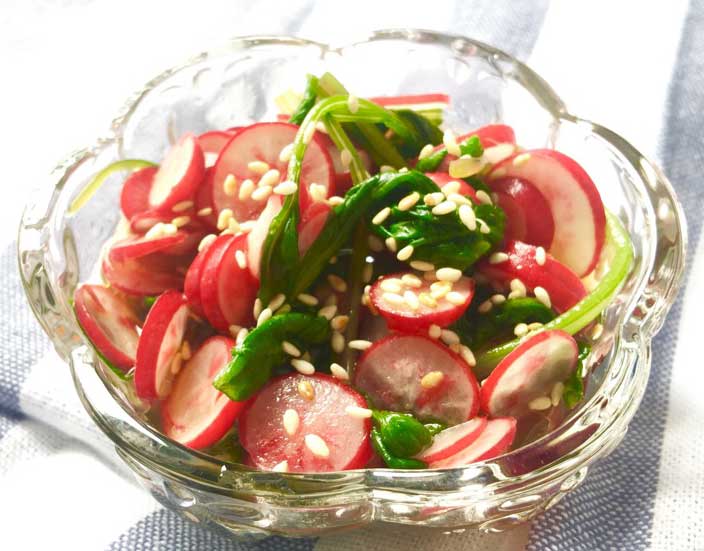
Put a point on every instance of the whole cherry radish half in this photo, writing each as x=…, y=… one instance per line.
x=256, y=237
x=564, y=289
x=528, y=214
x=529, y=373
x=305, y=431
x=179, y=175
x=261, y=144
x=411, y=304
x=134, y=197
x=227, y=289
x=146, y=276
x=496, y=438
x=452, y=440
x=195, y=413
x=110, y=322
x=311, y=224
x=160, y=341
x=442, y=178
x=575, y=203
x=395, y=373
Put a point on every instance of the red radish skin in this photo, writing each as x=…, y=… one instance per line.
x=204, y=200
x=264, y=142
x=161, y=339
x=489, y=136
x=442, y=178
x=495, y=439
x=263, y=435
x=191, y=285
x=575, y=203
x=311, y=224
x=404, y=318
x=453, y=440
x=562, y=285
x=211, y=143
x=147, y=276
x=134, y=197
x=109, y=322
x=256, y=237
x=390, y=373
x=441, y=100
x=528, y=215
x=528, y=372
x=179, y=174
x=196, y=414
x=136, y=247
x=227, y=291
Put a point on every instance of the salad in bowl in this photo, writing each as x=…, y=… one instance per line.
x=354, y=285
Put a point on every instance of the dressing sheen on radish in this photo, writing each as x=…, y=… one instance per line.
x=195, y=413
x=494, y=439
x=390, y=373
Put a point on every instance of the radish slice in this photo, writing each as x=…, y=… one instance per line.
x=563, y=287
x=195, y=413
x=575, y=203
x=311, y=224
x=268, y=443
x=134, y=197
x=227, y=291
x=179, y=175
x=109, y=322
x=390, y=373
x=135, y=247
x=528, y=215
x=442, y=178
x=256, y=238
x=495, y=439
x=146, y=276
x=453, y=439
x=191, y=285
x=204, y=200
x=428, y=101
x=530, y=371
x=489, y=136
x=211, y=143
x=264, y=142
x=160, y=341
x=410, y=308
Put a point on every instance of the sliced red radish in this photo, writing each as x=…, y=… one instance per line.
x=489, y=136
x=134, y=197
x=443, y=178
x=393, y=374
x=263, y=142
x=495, y=439
x=204, y=209
x=409, y=303
x=563, y=287
x=408, y=101
x=452, y=440
x=179, y=175
x=146, y=276
x=195, y=413
x=109, y=322
x=138, y=246
x=529, y=372
x=211, y=143
x=575, y=203
x=160, y=341
x=227, y=290
x=528, y=215
x=326, y=437
x=256, y=237
x=191, y=285
x=343, y=177
x=311, y=224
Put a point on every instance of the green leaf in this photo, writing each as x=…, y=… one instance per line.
x=574, y=386
x=431, y=162
x=391, y=460
x=402, y=434
x=260, y=352
x=310, y=96
x=426, y=132
x=472, y=146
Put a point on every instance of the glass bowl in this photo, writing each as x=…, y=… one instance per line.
x=236, y=84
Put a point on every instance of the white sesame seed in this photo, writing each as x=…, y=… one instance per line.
x=446, y=207
x=367, y=273
x=281, y=467
x=498, y=258
x=264, y=316
x=391, y=244
x=339, y=372
x=450, y=187
x=498, y=299
x=556, y=394
x=317, y=445
x=439, y=289
x=498, y=173
x=464, y=167
x=276, y=302
x=432, y=379
x=181, y=221
x=540, y=404
x=337, y=342
x=597, y=331
x=483, y=197
x=485, y=307
x=270, y=178
x=241, y=259
x=186, y=350
x=453, y=297
x=468, y=217
x=183, y=205
x=224, y=218
x=521, y=159
x=261, y=193
x=422, y=266
x=427, y=151
x=426, y=300
x=318, y=192
x=258, y=167
x=169, y=229
x=352, y=103
x=483, y=226
x=434, y=331
x=345, y=158
x=391, y=285
x=520, y=330
x=234, y=330
x=359, y=344
x=448, y=274
x=308, y=300
x=257, y=307
x=394, y=299
x=308, y=134
x=304, y=367
x=449, y=337
x=205, y=211
x=498, y=153
x=176, y=363
x=286, y=153
x=290, y=349
x=467, y=355
x=247, y=226
x=409, y=201
x=380, y=216
x=291, y=421
x=206, y=241
x=449, y=140
x=241, y=336
x=517, y=285
x=155, y=232
x=306, y=390
x=542, y=295
x=337, y=283
x=328, y=312
x=535, y=326
x=435, y=198
x=286, y=188
x=405, y=253
x=540, y=256
x=331, y=300
x=411, y=300
x=339, y=323
x=410, y=280
x=246, y=189
x=386, y=168
x=229, y=185
x=358, y=412
x=458, y=199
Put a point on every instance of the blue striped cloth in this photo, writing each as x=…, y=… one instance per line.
x=644, y=80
